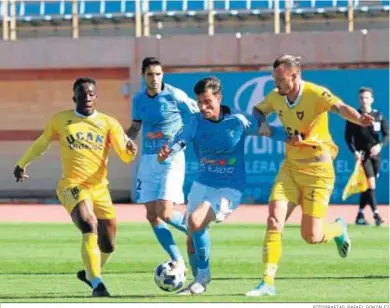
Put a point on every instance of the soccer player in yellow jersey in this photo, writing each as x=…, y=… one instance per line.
x=306, y=176
x=85, y=137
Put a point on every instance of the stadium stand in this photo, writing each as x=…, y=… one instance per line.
x=191, y=14
x=88, y=9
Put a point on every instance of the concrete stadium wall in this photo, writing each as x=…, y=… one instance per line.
x=200, y=50
x=36, y=78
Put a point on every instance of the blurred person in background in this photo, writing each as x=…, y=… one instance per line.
x=366, y=143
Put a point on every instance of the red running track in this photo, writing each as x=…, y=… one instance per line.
x=136, y=213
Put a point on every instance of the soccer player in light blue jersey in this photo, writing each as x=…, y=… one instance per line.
x=218, y=135
x=161, y=110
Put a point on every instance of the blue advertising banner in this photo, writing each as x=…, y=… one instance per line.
x=242, y=90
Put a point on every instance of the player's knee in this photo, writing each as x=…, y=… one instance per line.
x=273, y=223
x=312, y=237
x=151, y=217
x=92, y=224
x=165, y=215
x=85, y=220
x=194, y=224
x=164, y=210
x=107, y=246
x=87, y=224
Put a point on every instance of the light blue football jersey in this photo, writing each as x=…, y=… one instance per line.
x=219, y=147
x=162, y=115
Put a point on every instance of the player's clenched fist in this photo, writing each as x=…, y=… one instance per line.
x=132, y=147
x=265, y=130
x=20, y=174
x=164, y=153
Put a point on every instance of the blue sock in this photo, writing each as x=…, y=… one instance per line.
x=94, y=282
x=177, y=221
x=165, y=238
x=193, y=263
x=202, y=247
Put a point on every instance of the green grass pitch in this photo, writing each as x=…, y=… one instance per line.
x=38, y=263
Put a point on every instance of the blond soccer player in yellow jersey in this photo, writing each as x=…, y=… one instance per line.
x=306, y=176
x=85, y=137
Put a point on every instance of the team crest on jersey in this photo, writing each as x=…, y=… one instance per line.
x=280, y=113
x=300, y=115
x=68, y=122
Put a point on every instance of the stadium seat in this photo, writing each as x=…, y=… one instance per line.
x=33, y=8
x=91, y=7
x=195, y=5
x=219, y=5
x=130, y=6
x=52, y=8
x=155, y=6
x=323, y=3
x=343, y=3
x=256, y=4
x=238, y=5
x=175, y=6
x=112, y=7
x=68, y=8
x=303, y=4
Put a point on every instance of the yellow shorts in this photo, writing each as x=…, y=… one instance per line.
x=98, y=195
x=310, y=185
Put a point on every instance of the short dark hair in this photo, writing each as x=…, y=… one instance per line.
x=148, y=61
x=79, y=81
x=204, y=84
x=289, y=60
x=366, y=89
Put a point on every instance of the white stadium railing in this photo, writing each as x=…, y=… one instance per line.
x=141, y=11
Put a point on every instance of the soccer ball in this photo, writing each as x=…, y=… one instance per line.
x=167, y=282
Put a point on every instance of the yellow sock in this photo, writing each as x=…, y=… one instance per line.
x=91, y=255
x=105, y=257
x=331, y=231
x=271, y=255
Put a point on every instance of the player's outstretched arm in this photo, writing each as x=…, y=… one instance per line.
x=134, y=129
x=351, y=114
x=264, y=129
x=180, y=140
x=277, y=133
x=36, y=149
x=123, y=146
x=259, y=116
x=187, y=106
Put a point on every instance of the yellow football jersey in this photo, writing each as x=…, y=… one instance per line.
x=84, y=146
x=307, y=116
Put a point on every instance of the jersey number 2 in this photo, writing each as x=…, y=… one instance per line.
x=138, y=187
